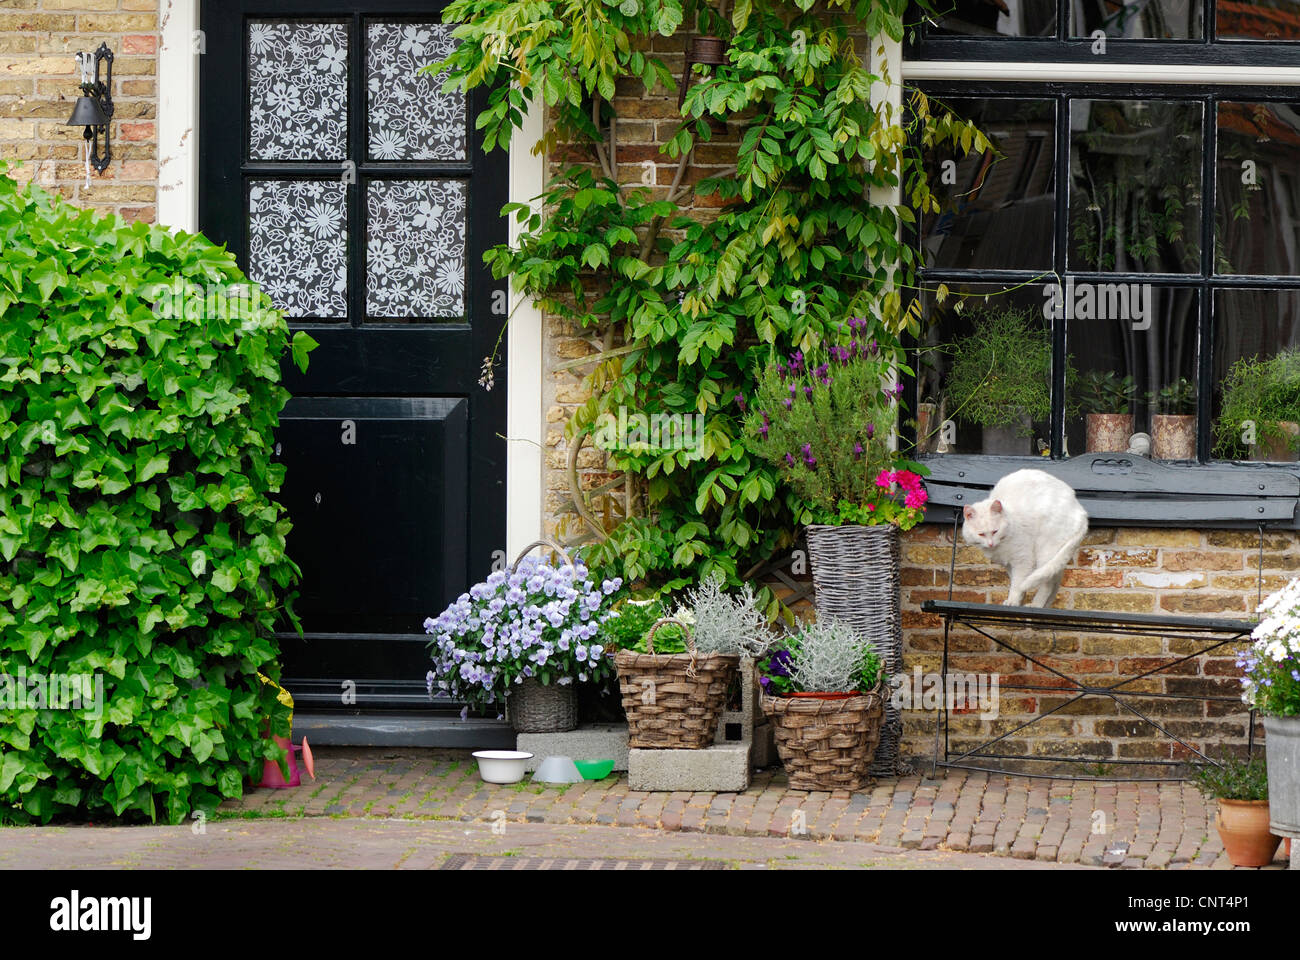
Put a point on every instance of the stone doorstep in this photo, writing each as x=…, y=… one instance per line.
x=715, y=769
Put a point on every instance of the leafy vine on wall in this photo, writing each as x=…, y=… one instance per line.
x=810, y=230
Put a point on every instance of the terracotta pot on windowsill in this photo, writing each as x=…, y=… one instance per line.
x=1243, y=828
x=1173, y=436
x=1109, y=432
x=1278, y=449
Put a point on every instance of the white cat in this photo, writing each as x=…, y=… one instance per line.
x=1031, y=524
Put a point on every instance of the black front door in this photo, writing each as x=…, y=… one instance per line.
x=357, y=195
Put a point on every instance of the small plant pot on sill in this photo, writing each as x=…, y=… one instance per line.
x=1278, y=449
x=1244, y=830
x=1109, y=432
x=1012, y=440
x=1173, y=436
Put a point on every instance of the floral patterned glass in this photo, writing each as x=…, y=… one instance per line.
x=297, y=245
x=415, y=249
x=297, y=90
x=410, y=117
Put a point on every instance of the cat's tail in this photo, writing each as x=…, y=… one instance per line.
x=1050, y=572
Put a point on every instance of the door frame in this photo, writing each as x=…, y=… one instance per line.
x=178, y=207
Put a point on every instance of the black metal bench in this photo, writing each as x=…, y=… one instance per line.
x=984, y=617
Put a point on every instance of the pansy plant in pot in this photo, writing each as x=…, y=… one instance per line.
x=1271, y=684
x=525, y=634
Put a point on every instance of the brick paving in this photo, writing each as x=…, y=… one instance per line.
x=1164, y=825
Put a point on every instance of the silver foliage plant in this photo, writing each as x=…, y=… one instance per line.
x=722, y=622
x=827, y=656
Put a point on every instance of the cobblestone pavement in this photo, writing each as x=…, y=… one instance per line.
x=325, y=842
x=1160, y=825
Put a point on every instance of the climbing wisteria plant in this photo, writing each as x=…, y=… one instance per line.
x=691, y=309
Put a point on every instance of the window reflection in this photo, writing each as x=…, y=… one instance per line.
x=1257, y=199
x=992, y=18
x=1138, y=19
x=997, y=209
x=1272, y=20
x=1135, y=186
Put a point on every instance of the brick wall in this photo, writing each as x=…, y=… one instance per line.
x=38, y=87
x=1184, y=572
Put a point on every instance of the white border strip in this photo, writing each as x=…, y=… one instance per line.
x=525, y=410
x=1100, y=73
x=178, y=114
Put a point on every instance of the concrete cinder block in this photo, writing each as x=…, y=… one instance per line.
x=716, y=769
x=595, y=741
x=750, y=714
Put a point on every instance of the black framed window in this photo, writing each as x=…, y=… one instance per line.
x=1123, y=31
x=1142, y=244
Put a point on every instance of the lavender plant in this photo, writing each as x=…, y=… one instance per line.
x=540, y=621
x=823, y=657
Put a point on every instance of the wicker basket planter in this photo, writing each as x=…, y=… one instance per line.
x=827, y=744
x=672, y=700
x=855, y=573
x=535, y=707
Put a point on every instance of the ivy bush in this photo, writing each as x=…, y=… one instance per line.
x=139, y=546
x=699, y=308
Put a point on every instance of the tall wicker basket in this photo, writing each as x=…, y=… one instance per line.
x=672, y=700
x=827, y=744
x=856, y=579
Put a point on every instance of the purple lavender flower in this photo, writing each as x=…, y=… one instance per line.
x=858, y=451
x=871, y=430
x=789, y=459
x=808, y=458
x=789, y=404
x=808, y=391
x=762, y=431
x=740, y=401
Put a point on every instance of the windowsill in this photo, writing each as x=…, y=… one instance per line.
x=1120, y=489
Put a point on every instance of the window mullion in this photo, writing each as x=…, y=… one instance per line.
x=1057, y=431
x=1205, y=342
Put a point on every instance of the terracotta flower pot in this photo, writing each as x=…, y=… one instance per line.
x=1173, y=437
x=926, y=437
x=1277, y=449
x=1243, y=828
x=1109, y=432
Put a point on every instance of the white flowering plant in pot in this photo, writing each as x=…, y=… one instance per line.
x=540, y=621
x=1271, y=684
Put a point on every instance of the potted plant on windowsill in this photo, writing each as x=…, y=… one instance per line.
x=1173, y=429
x=522, y=639
x=1105, y=398
x=1001, y=379
x=823, y=691
x=1271, y=684
x=1241, y=789
x=824, y=421
x=1261, y=408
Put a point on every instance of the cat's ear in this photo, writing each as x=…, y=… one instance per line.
x=968, y=512
x=997, y=507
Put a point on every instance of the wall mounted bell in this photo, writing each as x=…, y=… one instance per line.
x=87, y=113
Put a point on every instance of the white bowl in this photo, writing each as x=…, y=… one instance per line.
x=501, y=766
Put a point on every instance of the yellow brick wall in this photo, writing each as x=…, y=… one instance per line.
x=38, y=87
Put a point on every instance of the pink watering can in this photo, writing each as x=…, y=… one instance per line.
x=272, y=775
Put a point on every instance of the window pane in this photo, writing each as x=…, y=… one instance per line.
x=410, y=118
x=1138, y=19
x=298, y=245
x=997, y=18
x=1257, y=197
x=1135, y=186
x=984, y=372
x=297, y=90
x=1257, y=374
x=415, y=249
x=1271, y=20
x=997, y=208
x=1132, y=367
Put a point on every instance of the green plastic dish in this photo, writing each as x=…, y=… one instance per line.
x=595, y=769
